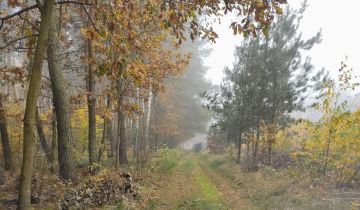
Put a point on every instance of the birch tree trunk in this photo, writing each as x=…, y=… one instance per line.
x=147, y=124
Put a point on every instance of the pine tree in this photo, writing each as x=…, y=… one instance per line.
x=269, y=80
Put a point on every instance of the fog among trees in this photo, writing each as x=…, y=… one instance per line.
x=107, y=105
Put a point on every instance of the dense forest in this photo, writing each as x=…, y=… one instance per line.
x=97, y=98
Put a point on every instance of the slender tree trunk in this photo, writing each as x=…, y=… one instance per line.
x=256, y=144
x=238, y=159
x=328, y=144
x=103, y=141
x=156, y=142
x=121, y=134
x=109, y=133
x=113, y=139
x=141, y=137
x=121, y=126
x=9, y=165
x=106, y=132
x=137, y=131
x=61, y=104
x=248, y=151
x=91, y=105
x=147, y=124
x=42, y=137
x=133, y=138
x=274, y=102
x=269, y=153
x=53, y=142
x=156, y=135
x=137, y=134
x=30, y=109
x=2, y=177
x=117, y=142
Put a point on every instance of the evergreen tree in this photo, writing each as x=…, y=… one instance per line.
x=269, y=80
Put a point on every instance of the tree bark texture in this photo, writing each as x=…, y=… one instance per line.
x=62, y=105
x=91, y=106
x=31, y=103
x=9, y=165
x=41, y=135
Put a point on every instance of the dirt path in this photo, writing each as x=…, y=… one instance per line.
x=193, y=185
x=229, y=192
x=180, y=187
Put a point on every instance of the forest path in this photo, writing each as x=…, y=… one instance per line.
x=195, y=185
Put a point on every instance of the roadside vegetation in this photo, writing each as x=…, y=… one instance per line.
x=98, y=96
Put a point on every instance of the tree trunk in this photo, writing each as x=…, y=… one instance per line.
x=269, y=153
x=61, y=104
x=156, y=142
x=53, y=142
x=156, y=135
x=133, y=138
x=137, y=134
x=328, y=144
x=9, y=165
x=109, y=133
x=238, y=159
x=2, y=177
x=91, y=106
x=248, y=150
x=141, y=137
x=121, y=134
x=112, y=141
x=30, y=109
x=256, y=144
x=106, y=132
x=121, y=146
x=137, y=131
x=103, y=141
x=42, y=137
x=147, y=125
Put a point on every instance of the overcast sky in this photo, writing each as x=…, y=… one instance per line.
x=339, y=21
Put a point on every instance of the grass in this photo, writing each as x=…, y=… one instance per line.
x=200, y=192
x=208, y=189
x=216, y=163
x=169, y=165
x=166, y=160
x=197, y=204
x=270, y=189
x=188, y=166
x=207, y=196
x=192, y=186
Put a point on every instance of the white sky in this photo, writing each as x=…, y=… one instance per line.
x=339, y=21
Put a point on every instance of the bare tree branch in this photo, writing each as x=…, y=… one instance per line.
x=16, y=40
x=92, y=23
x=73, y=2
x=30, y=23
x=37, y=5
x=16, y=14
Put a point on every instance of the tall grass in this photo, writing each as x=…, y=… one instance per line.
x=270, y=189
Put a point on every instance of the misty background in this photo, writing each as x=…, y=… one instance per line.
x=328, y=54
